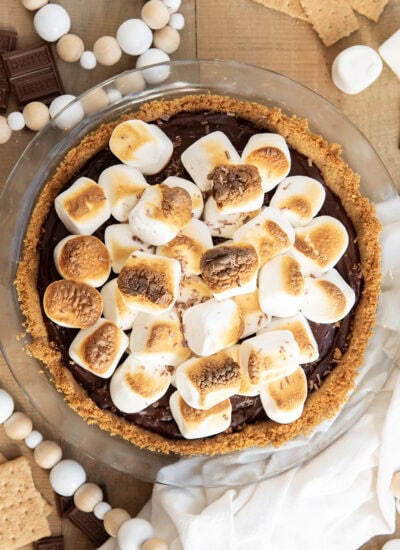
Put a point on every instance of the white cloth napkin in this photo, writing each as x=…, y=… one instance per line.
x=337, y=500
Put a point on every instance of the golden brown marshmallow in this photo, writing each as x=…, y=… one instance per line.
x=283, y=400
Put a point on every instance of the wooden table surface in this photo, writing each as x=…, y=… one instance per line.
x=234, y=29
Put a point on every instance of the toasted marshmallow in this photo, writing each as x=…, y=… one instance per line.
x=236, y=188
x=84, y=259
x=160, y=214
x=188, y=246
x=299, y=327
x=283, y=400
x=270, y=154
x=99, y=348
x=205, y=381
x=246, y=387
x=123, y=186
x=72, y=305
x=230, y=270
x=327, y=299
x=83, y=207
x=149, y=283
x=194, y=423
x=120, y=243
x=254, y=318
x=269, y=356
x=194, y=192
x=205, y=154
x=300, y=198
x=141, y=145
x=281, y=286
x=115, y=309
x=136, y=385
x=270, y=232
x=212, y=326
x=320, y=245
x=192, y=290
x=224, y=225
x=159, y=340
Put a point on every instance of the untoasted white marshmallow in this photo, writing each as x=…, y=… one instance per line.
x=270, y=154
x=299, y=327
x=224, y=225
x=320, y=245
x=281, y=286
x=212, y=326
x=123, y=186
x=270, y=232
x=269, y=356
x=83, y=207
x=194, y=423
x=160, y=214
x=356, y=68
x=194, y=192
x=141, y=145
x=188, y=247
x=115, y=308
x=120, y=243
x=300, y=198
x=327, y=299
x=246, y=387
x=84, y=259
x=254, y=318
x=149, y=283
x=205, y=154
x=283, y=400
x=205, y=381
x=192, y=290
x=158, y=340
x=136, y=385
x=230, y=269
x=389, y=52
x=99, y=348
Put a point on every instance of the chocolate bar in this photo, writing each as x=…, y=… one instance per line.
x=8, y=41
x=49, y=543
x=88, y=524
x=32, y=74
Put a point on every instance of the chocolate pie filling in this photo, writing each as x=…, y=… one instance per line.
x=183, y=129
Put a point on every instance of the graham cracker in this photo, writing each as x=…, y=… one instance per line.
x=22, y=508
x=370, y=8
x=332, y=19
x=290, y=7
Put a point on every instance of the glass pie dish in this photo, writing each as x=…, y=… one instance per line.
x=40, y=160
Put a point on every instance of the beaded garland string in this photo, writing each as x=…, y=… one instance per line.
x=152, y=39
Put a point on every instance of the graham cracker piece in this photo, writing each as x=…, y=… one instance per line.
x=370, y=8
x=290, y=7
x=332, y=19
x=22, y=508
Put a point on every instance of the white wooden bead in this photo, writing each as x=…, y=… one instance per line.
x=395, y=485
x=70, y=47
x=6, y=401
x=172, y=5
x=33, y=5
x=87, y=496
x=95, y=100
x=5, y=130
x=130, y=83
x=155, y=14
x=177, y=21
x=51, y=22
x=16, y=121
x=33, y=439
x=36, y=115
x=18, y=426
x=134, y=36
x=72, y=113
x=167, y=39
x=155, y=543
x=134, y=533
x=155, y=74
x=107, y=50
x=88, y=60
x=113, y=520
x=101, y=509
x=66, y=477
x=47, y=454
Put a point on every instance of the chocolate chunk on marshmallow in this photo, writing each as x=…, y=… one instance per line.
x=115, y=308
x=283, y=399
x=193, y=190
x=83, y=207
x=121, y=243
